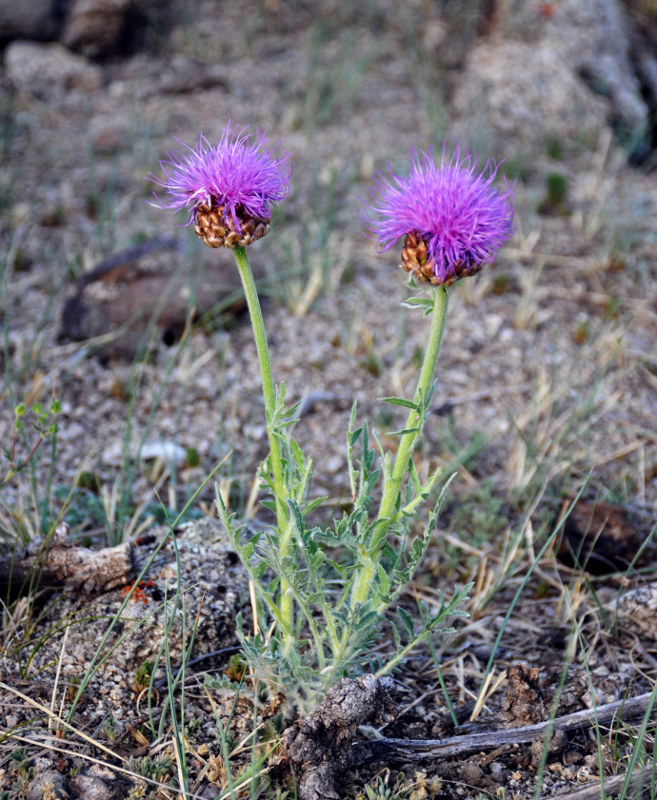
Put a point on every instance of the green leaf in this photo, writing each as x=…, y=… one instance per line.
x=259, y=571
x=403, y=432
x=314, y=504
x=406, y=619
x=298, y=516
x=415, y=478
x=399, y=401
x=384, y=580
x=419, y=302
x=297, y=453
x=354, y=436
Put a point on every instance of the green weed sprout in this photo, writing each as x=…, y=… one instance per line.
x=42, y=422
x=323, y=591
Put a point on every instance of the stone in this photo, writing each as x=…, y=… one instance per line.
x=50, y=784
x=638, y=610
x=37, y=19
x=96, y=27
x=521, y=88
x=560, y=75
x=158, y=283
x=49, y=71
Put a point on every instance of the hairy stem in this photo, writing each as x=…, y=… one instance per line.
x=388, y=510
x=280, y=494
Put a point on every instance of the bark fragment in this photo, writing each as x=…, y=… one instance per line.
x=319, y=746
x=60, y=562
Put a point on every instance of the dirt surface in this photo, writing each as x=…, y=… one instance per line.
x=546, y=387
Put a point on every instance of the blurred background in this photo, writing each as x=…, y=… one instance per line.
x=548, y=375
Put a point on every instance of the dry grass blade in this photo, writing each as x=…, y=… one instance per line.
x=487, y=690
x=55, y=746
x=61, y=723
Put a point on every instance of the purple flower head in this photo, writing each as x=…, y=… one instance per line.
x=238, y=181
x=453, y=219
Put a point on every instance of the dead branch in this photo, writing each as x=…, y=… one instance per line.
x=414, y=750
x=640, y=779
x=59, y=562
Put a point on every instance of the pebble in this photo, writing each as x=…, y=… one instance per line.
x=49, y=71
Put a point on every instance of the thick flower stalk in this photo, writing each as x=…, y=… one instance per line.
x=452, y=217
x=454, y=220
x=230, y=190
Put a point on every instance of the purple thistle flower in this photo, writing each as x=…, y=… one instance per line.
x=453, y=219
x=230, y=188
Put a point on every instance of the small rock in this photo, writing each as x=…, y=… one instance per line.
x=638, y=609
x=471, y=773
x=533, y=74
x=168, y=452
x=34, y=20
x=108, y=132
x=335, y=464
x=113, y=455
x=99, y=783
x=51, y=784
x=49, y=71
x=525, y=86
x=157, y=283
x=493, y=324
x=96, y=27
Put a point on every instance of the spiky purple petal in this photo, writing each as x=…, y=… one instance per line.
x=234, y=172
x=457, y=211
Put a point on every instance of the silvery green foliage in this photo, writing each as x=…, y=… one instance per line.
x=333, y=636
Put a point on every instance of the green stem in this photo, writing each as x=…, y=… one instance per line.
x=260, y=336
x=276, y=460
x=409, y=440
x=393, y=485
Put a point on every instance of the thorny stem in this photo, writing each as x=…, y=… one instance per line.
x=280, y=494
x=388, y=512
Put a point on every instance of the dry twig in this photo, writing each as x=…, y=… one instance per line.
x=414, y=750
